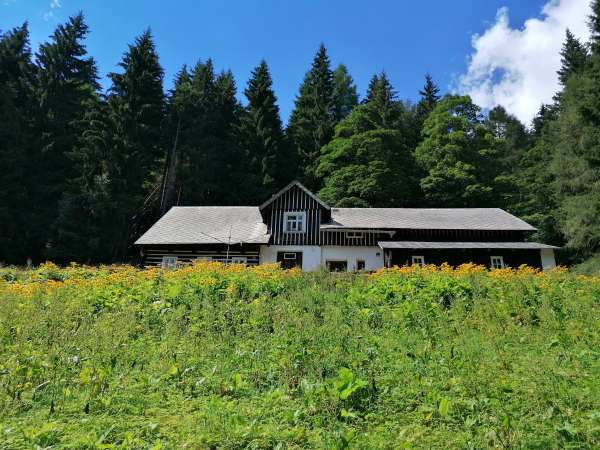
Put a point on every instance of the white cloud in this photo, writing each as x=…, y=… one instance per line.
x=516, y=68
x=49, y=15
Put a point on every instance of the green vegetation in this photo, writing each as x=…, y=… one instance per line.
x=210, y=356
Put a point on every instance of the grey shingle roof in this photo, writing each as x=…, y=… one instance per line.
x=207, y=225
x=426, y=218
x=461, y=245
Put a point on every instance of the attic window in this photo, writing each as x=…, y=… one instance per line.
x=294, y=222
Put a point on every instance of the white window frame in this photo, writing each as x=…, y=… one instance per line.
x=298, y=225
x=354, y=234
x=418, y=260
x=497, y=262
x=169, y=262
x=290, y=255
x=239, y=260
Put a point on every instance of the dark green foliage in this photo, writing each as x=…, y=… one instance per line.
x=512, y=141
x=369, y=162
x=16, y=108
x=574, y=56
x=573, y=140
x=204, y=120
x=118, y=158
x=66, y=86
x=430, y=96
x=455, y=152
x=345, y=95
x=312, y=121
x=270, y=162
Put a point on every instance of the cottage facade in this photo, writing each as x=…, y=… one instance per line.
x=297, y=229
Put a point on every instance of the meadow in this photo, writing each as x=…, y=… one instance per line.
x=213, y=356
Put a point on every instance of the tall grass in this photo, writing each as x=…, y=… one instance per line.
x=226, y=357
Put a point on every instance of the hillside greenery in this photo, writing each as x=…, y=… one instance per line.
x=86, y=170
x=213, y=356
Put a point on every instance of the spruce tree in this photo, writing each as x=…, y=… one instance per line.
x=204, y=118
x=573, y=140
x=382, y=98
x=136, y=106
x=191, y=122
x=369, y=162
x=345, y=95
x=574, y=56
x=16, y=135
x=66, y=84
x=311, y=122
x=262, y=134
x=429, y=98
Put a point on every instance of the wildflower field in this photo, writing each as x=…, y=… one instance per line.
x=213, y=356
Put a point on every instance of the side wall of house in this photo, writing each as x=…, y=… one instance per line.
x=456, y=257
x=548, y=261
x=372, y=256
x=187, y=254
x=311, y=255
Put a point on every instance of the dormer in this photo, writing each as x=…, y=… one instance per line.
x=294, y=214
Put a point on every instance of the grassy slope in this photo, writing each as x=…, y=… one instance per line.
x=589, y=267
x=232, y=359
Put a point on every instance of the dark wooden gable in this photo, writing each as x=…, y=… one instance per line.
x=294, y=198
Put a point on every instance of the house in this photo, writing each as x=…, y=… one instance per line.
x=297, y=229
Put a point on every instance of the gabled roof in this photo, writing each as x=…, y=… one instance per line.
x=207, y=225
x=287, y=188
x=426, y=219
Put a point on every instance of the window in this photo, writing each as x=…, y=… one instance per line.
x=169, y=262
x=497, y=262
x=354, y=234
x=289, y=260
x=239, y=260
x=360, y=264
x=337, y=266
x=294, y=222
x=418, y=260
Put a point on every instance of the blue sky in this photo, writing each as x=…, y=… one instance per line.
x=404, y=38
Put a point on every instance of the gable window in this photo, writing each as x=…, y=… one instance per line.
x=169, y=262
x=294, y=222
x=354, y=234
x=497, y=262
x=418, y=260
